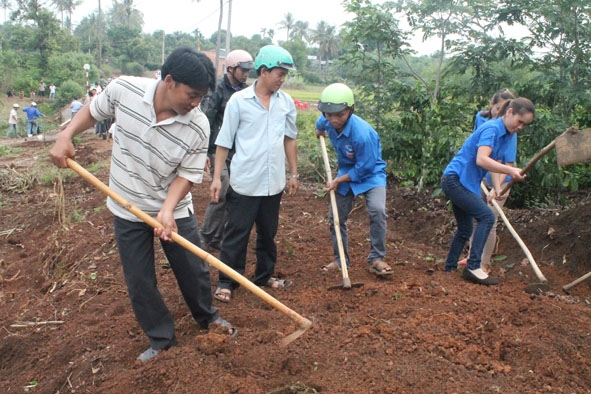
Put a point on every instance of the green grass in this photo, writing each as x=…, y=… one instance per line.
x=310, y=93
x=6, y=150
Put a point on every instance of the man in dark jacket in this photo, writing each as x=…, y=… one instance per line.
x=238, y=66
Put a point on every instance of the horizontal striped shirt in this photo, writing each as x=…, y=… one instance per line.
x=148, y=155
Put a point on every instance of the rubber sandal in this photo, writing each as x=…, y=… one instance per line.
x=222, y=294
x=275, y=283
x=380, y=268
x=332, y=266
x=147, y=355
x=232, y=331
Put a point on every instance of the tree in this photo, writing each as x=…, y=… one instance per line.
x=450, y=21
x=300, y=31
x=328, y=41
x=125, y=13
x=560, y=33
x=46, y=32
x=297, y=50
x=288, y=24
x=5, y=4
x=267, y=33
x=66, y=7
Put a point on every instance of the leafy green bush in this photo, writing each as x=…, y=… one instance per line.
x=67, y=91
x=310, y=161
x=311, y=77
x=69, y=66
x=133, y=68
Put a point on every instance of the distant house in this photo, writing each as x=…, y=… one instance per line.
x=211, y=54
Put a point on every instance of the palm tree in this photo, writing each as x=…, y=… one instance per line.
x=287, y=24
x=326, y=38
x=300, y=31
x=126, y=14
x=7, y=6
x=66, y=7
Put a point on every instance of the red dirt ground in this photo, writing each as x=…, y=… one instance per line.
x=67, y=326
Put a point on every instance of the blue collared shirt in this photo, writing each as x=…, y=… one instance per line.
x=493, y=134
x=32, y=112
x=510, y=151
x=359, y=154
x=479, y=120
x=257, y=135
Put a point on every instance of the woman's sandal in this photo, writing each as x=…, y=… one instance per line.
x=222, y=294
x=275, y=283
x=380, y=268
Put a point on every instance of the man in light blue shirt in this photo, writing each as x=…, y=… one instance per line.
x=259, y=123
x=75, y=107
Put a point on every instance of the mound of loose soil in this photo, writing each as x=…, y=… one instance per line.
x=67, y=326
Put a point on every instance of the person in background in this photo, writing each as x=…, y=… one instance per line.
x=495, y=105
x=159, y=153
x=13, y=121
x=361, y=171
x=51, y=91
x=75, y=107
x=41, y=89
x=509, y=157
x=32, y=115
x=260, y=124
x=238, y=66
x=481, y=152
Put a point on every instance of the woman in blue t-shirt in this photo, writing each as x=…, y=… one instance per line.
x=481, y=152
x=496, y=103
x=509, y=157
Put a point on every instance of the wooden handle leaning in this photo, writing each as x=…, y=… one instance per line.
x=524, y=247
x=208, y=258
x=335, y=218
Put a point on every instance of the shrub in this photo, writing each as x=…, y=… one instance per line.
x=67, y=91
x=133, y=68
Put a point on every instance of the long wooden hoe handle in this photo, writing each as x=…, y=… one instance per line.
x=522, y=244
x=335, y=218
x=530, y=164
x=302, y=322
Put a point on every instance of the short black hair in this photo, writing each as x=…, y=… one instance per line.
x=191, y=67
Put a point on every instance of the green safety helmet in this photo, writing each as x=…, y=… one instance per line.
x=272, y=56
x=335, y=98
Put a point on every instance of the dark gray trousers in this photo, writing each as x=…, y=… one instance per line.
x=135, y=242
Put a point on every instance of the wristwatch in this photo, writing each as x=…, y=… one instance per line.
x=295, y=176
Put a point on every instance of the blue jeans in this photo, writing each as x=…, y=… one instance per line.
x=12, y=129
x=32, y=126
x=467, y=206
x=375, y=201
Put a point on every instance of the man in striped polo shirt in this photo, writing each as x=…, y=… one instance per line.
x=159, y=152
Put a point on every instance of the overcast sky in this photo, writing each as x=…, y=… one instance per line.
x=248, y=16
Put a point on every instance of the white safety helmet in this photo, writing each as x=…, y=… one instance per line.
x=240, y=58
x=34, y=104
x=15, y=105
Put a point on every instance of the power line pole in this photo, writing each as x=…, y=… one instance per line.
x=100, y=35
